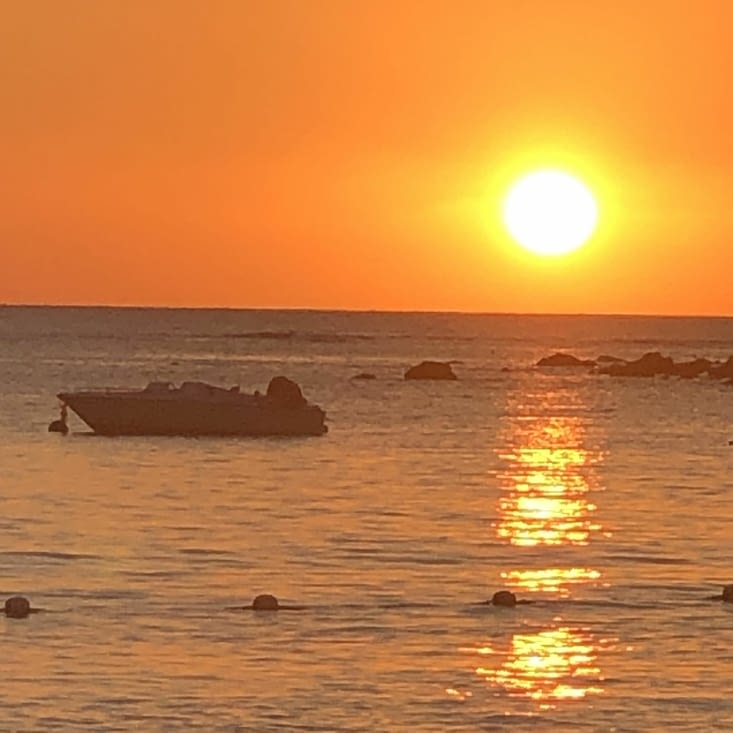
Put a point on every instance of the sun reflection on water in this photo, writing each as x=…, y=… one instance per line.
x=545, y=484
x=544, y=508
x=545, y=666
x=549, y=580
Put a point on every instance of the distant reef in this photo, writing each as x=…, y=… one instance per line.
x=651, y=364
x=431, y=370
x=364, y=375
x=564, y=360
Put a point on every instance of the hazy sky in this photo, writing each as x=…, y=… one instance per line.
x=344, y=154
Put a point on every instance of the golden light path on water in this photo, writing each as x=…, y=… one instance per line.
x=546, y=491
x=544, y=503
x=544, y=500
x=545, y=666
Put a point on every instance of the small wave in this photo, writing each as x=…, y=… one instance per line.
x=315, y=337
x=203, y=551
x=49, y=555
x=262, y=335
x=450, y=337
x=154, y=573
x=95, y=597
x=651, y=559
x=653, y=342
x=398, y=605
x=336, y=338
x=602, y=603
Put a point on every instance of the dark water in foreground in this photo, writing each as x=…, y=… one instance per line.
x=607, y=501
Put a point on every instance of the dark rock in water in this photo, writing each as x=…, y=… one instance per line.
x=691, y=369
x=285, y=392
x=607, y=359
x=727, y=594
x=431, y=370
x=504, y=598
x=60, y=425
x=648, y=365
x=364, y=375
x=722, y=371
x=265, y=602
x=564, y=360
x=17, y=607
x=654, y=364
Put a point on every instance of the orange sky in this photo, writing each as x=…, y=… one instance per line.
x=337, y=154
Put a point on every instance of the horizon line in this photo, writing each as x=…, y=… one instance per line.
x=306, y=309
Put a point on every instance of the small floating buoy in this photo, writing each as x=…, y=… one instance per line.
x=60, y=426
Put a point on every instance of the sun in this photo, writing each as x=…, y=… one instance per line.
x=550, y=212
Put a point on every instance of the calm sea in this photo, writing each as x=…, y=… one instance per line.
x=608, y=501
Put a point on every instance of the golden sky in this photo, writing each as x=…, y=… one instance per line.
x=345, y=154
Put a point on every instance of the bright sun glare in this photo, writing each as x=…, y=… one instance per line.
x=550, y=212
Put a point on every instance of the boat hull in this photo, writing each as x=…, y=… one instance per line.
x=142, y=414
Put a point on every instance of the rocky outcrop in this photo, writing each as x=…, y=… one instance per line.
x=648, y=365
x=364, y=375
x=691, y=369
x=722, y=371
x=608, y=359
x=284, y=391
x=431, y=370
x=653, y=364
x=564, y=360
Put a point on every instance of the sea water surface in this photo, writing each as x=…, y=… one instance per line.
x=607, y=501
